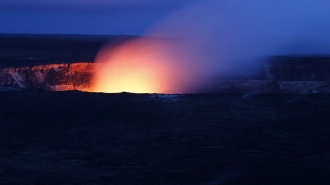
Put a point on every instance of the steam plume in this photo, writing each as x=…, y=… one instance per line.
x=214, y=38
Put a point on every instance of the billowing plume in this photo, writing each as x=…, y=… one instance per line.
x=147, y=65
x=210, y=39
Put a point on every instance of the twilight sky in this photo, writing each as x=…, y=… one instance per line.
x=136, y=16
x=84, y=16
x=217, y=26
x=222, y=35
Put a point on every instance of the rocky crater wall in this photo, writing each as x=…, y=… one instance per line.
x=289, y=75
x=51, y=77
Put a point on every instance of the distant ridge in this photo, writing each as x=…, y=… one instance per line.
x=72, y=36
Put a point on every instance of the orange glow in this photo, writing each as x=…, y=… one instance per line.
x=141, y=66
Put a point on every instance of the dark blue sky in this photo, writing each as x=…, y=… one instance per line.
x=134, y=17
x=131, y=17
x=260, y=27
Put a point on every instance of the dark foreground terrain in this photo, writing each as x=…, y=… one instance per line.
x=205, y=139
x=131, y=139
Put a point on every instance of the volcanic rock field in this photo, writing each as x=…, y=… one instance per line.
x=272, y=128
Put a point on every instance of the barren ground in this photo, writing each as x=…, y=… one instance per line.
x=93, y=138
x=131, y=139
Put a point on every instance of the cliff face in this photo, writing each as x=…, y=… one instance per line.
x=280, y=76
x=51, y=77
x=288, y=68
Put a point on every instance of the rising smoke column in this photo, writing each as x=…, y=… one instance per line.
x=161, y=62
x=214, y=38
x=146, y=65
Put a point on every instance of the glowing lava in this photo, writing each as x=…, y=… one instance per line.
x=142, y=66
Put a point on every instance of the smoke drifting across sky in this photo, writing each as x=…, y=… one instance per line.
x=238, y=32
x=229, y=37
x=218, y=36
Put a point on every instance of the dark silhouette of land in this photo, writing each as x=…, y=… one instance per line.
x=90, y=138
x=25, y=49
x=84, y=138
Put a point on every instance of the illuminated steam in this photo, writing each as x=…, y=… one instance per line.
x=211, y=39
x=143, y=66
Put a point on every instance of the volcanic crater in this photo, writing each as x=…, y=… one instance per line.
x=270, y=128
